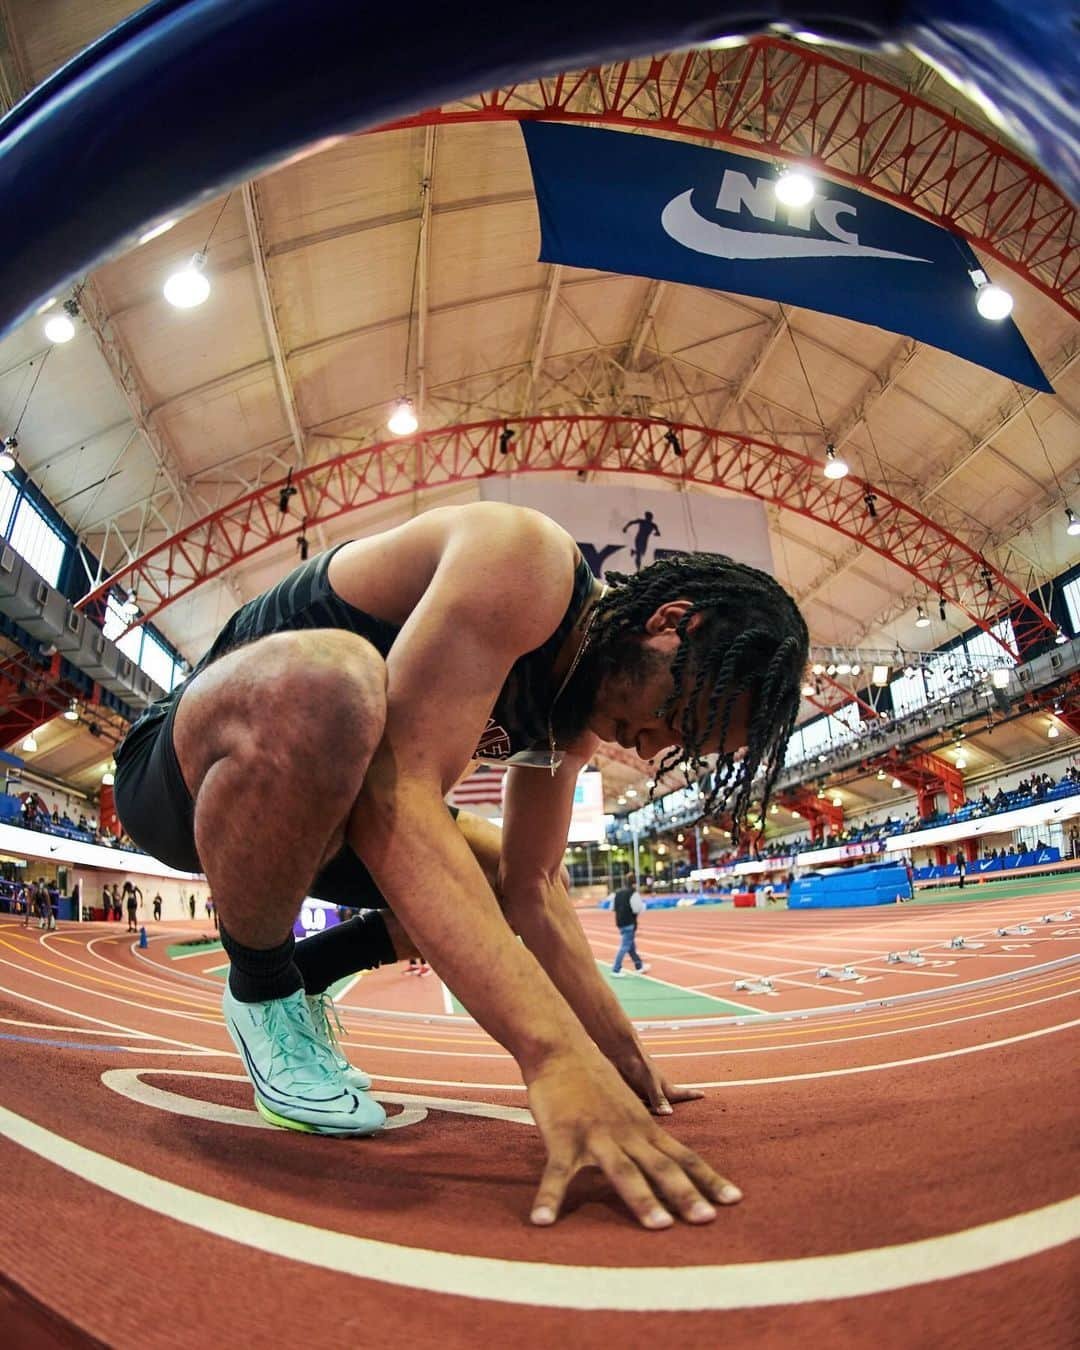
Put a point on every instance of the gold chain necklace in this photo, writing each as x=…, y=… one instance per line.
x=554, y=762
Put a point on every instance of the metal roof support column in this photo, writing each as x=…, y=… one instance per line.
x=286, y=392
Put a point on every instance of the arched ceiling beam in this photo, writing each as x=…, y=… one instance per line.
x=795, y=102
x=715, y=459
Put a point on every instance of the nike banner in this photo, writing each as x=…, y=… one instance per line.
x=661, y=208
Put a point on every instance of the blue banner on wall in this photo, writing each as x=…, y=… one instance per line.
x=659, y=208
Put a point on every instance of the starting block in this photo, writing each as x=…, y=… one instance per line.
x=1017, y=930
x=755, y=986
x=958, y=942
x=911, y=958
x=1063, y=917
x=844, y=973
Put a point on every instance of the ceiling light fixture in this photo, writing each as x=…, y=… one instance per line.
x=60, y=328
x=794, y=187
x=991, y=301
x=961, y=762
x=72, y=713
x=835, y=466
x=897, y=783
x=1059, y=637
x=1072, y=522
x=1052, y=732
x=402, y=420
x=837, y=801
x=29, y=745
x=188, y=286
x=879, y=675
x=7, y=454
x=108, y=777
x=921, y=621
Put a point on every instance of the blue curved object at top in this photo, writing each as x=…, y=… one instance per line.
x=188, y=97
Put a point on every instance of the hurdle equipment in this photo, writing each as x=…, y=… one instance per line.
x=911, y=958
x=1017, y=930
x=762, y=985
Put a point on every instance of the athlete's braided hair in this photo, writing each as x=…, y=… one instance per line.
x=750, y=638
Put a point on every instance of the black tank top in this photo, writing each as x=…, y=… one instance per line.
x=305, y=599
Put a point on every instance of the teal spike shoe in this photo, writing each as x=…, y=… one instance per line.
x=297, y=1082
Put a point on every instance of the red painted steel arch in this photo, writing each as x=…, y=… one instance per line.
x=797, y=103
x=710, y=458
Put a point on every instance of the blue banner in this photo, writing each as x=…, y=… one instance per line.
x=658, y=208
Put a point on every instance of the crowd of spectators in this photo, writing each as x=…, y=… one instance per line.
x=34, y=814
x=1029, y=791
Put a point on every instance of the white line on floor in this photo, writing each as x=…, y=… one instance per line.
x=756, y=1284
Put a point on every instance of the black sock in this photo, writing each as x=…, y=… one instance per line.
x=357, y=944
x=258, y=976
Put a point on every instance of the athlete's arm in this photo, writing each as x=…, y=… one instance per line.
x=536, y=818
x=500, y=584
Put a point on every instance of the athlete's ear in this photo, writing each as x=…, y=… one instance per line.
x=668, y=616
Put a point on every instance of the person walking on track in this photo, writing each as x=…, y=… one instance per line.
x=627, y=904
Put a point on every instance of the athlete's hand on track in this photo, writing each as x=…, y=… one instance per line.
x=588, y=1118
x=643, y=1077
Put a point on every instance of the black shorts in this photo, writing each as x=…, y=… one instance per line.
x=156, y=810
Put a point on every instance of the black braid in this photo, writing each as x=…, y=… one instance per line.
x=750, y=638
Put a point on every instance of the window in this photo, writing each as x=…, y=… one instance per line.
x=157, y=662
x=1071, y=591
x=8, y=495
x=34, y=538
x=115, y=623
x=908, y=693
x=142, y=646
x=983, y=648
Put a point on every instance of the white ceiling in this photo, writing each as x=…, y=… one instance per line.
x=205, y=413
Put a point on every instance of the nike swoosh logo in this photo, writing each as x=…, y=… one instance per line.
x=689, y=228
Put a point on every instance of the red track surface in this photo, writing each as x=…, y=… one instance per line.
x=903, y=1125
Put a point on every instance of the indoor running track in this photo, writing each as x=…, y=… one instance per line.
x=909, y=1163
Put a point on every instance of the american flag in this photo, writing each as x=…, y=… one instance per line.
x=483, y=787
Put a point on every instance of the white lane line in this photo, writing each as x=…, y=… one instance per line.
x=757, y=1284
x=128, y=1083
x=76, y=1031
x=347, y=989
x=99, y=1021
x=86, y=991
x=800, y=1046
x=684, y=990
x=777, y=1078
x=891, y=1064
